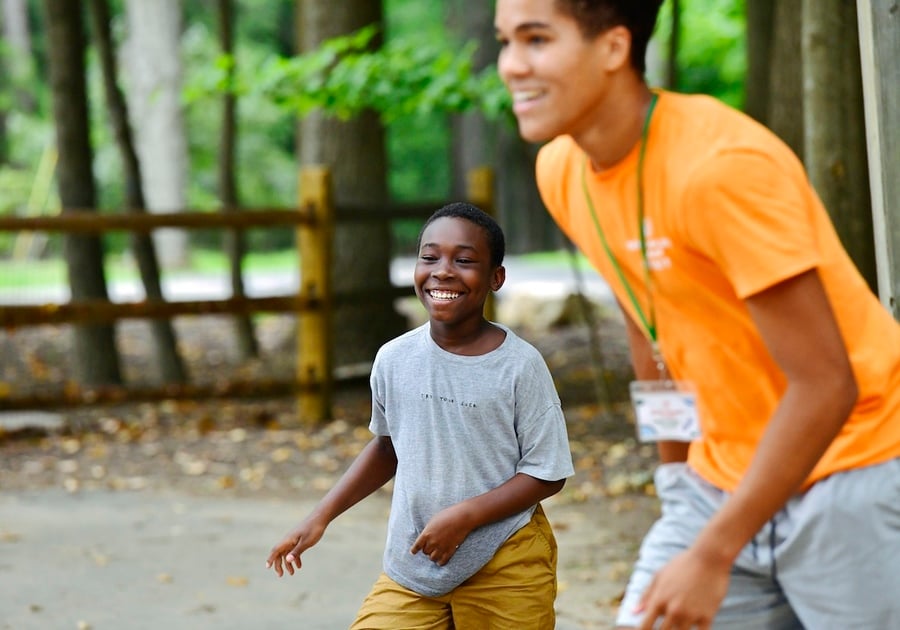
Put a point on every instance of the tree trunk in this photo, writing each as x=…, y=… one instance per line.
x=153, y=59
x=785, y=108
x=528, y=225
x=171, y=367
x=20, y=64
x=234, y=239
x=355, y=152
x=473, y=136
x=15, y=65
x=674, y=45
x=834, y=125
x=96, y=360
x=4, y=87
x=760, y=30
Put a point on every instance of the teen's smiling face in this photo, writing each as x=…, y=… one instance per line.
x=454, y=273
x=555, y=75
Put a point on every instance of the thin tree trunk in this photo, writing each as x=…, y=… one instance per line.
x=760, y=30
x=785, y=107
x=234, y=239
x=15, y=66
x=473, y=136
x=171, y=367
x=20, y=64
x=96, y=360
x=674, y=45
x=153, y=86
x=834, y=125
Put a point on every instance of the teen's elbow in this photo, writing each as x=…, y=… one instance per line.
x=847, y=390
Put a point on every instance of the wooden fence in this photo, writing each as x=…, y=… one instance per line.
x=315, y=377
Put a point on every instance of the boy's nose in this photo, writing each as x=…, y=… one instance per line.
x=441, y=270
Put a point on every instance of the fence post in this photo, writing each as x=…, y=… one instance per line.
x=314, y=352
x=480, y=191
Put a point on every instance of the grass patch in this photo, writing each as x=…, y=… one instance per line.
x=556, y=259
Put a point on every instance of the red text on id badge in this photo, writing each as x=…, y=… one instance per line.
x=665, y=410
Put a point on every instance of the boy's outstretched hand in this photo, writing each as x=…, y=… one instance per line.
x=286, y=554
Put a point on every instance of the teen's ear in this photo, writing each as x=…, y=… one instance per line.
x=617, y=42
x=498, y=278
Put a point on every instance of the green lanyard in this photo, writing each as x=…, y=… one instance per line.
x=649, y=324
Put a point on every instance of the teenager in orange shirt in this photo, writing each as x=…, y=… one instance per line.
x=780, y=484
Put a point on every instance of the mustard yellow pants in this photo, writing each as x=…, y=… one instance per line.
x=515, y=590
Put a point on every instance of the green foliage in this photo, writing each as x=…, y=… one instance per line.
x=264, y=158
x=406, y=76
x=417, y=80
x=712, y=51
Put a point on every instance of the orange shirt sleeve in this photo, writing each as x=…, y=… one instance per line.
x=749, y=213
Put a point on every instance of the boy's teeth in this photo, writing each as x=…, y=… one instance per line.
x=444, y=295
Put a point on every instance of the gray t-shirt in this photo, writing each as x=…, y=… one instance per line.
x=461, y=426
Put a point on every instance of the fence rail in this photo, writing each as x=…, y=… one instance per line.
x=315, y=376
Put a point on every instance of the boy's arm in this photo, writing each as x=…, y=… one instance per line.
x=373, y=467
x=448, y=528
x=645, y=369
x=796, y=322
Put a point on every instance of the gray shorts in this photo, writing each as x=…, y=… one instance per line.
x=829, y=559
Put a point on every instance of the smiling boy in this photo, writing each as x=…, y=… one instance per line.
x=469, y=425
x=781, y=496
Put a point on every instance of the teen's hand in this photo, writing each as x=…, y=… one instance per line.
x=686, y=593
x=443, y=535
x=286, y=554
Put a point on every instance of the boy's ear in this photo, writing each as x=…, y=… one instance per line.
x=498, y=278
x=617, y=42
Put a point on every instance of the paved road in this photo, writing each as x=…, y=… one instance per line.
x=105, y=560
x=120, y=560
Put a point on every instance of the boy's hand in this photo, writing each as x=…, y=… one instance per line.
x=286, y=554
x=443, y=535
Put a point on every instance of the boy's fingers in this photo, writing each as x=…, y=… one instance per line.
x=277, y=566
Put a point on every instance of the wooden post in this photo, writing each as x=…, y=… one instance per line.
x=879, y=41
x=480, y=191
x=314, y=338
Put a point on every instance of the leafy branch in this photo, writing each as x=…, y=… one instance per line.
x=346, y=76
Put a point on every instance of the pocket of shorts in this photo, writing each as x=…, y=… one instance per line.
x=543, y=530
x=667, y=476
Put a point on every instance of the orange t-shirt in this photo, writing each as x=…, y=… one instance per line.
x=728, y=212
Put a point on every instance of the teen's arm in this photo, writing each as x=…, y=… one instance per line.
x=798, y=326
x=645, y=369
x=373, y=467
x=448, y=528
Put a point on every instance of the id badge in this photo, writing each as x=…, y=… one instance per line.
x=665, y=410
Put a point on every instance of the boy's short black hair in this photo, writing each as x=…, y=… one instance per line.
x=597, y=16
x=463, y=210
